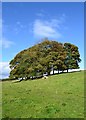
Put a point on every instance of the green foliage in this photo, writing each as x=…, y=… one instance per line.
x=44, y=57
x=72, y=57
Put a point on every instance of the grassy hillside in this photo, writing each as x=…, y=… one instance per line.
x=59, y=96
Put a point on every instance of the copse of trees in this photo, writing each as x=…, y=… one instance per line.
x=43, y=58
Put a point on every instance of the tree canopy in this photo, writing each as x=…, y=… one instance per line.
x=43, y=58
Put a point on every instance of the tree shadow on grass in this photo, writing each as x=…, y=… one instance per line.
x=39, y=78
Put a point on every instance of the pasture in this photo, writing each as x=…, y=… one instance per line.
x=58, y=96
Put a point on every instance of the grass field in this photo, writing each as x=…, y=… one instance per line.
x=59, y=96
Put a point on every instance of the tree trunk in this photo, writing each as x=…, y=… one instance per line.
x=53, y=71
x=32, y=77
x=67, y=70
x=49, y=73
x=58, y=71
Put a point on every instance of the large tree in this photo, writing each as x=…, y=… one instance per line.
x=43, y=58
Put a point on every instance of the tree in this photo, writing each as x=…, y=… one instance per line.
x=43, y=58
x=72, y=56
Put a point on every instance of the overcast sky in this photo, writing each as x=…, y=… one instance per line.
x=24, y=24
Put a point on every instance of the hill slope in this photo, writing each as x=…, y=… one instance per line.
x=59, y=96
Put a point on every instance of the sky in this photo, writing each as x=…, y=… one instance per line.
x=25, y=24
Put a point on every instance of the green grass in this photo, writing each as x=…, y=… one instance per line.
x=59, y=96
